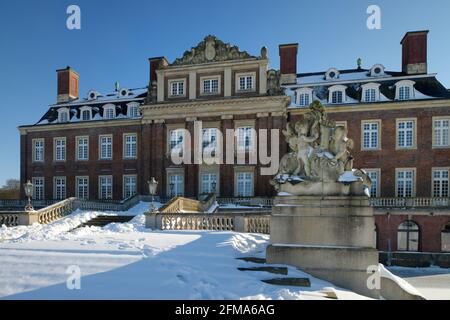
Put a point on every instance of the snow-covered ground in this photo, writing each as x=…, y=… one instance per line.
x=127, y=261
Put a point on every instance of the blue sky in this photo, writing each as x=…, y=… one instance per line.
x=117, y=38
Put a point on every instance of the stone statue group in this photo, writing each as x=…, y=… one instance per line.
x=321, y=155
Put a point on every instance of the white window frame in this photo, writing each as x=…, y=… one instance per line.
x=404, y=84
x=444, y=133
x=370, y=87
x=372, y=70
x=79, y=194
x=444, y=182
x=108, y=185
x=109, y=153
x=303, y=97
x=126, y=191
x=246, y=75
x=207, y=135
x=329, y=71
x=371, y=132
x=176, y=93
x=38, y=151
x=106, y=109
x=336, y=89
x=63, y=149
x=240, y=143
x=210, y=79
x=377, y=172
x=130, y=153
x=61, y=112
x=85, y=109
x=209, y=174
x=404, y=180
x=133, y=106
x=179, y=147
x=248, y=191
x=178, y=188
x=56, y=186
x=38, y=182
x=398, y=133
x=85, y=146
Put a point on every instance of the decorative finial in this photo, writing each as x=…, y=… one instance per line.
x=359, y=62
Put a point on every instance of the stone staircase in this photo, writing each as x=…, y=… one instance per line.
x=101, y=221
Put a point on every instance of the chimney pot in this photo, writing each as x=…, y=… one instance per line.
x=414, y=52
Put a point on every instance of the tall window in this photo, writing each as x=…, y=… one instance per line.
x=405, y=183
x=82, y=148
x=63, y=115
x=408, y=236
x=130, y=146
x=129, y=186
x=441, y=133
x=440, y=183
x=245, y=138
x=209, y=139
x=371, y=132
x=59, y=188
x=106, y=147
x=177, y=88
x=82, y=187
x=245, y=83
x=176, y=185
x=209, y=183
x=60, y=149
x=404, y=93
x=370, y=95
x=244, y=186
x=105, y=187
x=303, y=99
x=86, y=115
x=211, y=85
x=337, y=96
x=38, y=150
x=406, y=134
x=38, y=185
x=176, y=141
x=374, y=175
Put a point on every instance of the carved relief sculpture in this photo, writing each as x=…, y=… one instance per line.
x=320, y=162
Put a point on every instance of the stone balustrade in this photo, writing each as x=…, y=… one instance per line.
x=249, y=222
x=416, y=202
x=247, y=201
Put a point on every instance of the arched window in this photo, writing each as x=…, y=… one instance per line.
x=337, y=94
x=85, y=113
x=404, y=90
x=445, y=238
x=133, y=110
x=408, y=236
x=63, y=115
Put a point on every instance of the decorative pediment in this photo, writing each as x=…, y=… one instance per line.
x=211, y=49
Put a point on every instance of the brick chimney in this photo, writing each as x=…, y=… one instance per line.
x=154, y=65
x=414, y=52
x=288, y=63
x=67, y=85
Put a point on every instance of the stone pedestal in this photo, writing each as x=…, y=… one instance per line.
x=331, y=238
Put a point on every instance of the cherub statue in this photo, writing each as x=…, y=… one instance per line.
x=340, y=147
x=304, y=143
x=289, y=163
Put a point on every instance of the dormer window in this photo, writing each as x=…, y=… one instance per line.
x=371, y=92
x=86, y=113
x=377, y=70
x=336, y=94
x=177, y=88
x=133, y=110
x=332, y=74
x=63, y=115
x=109, y=112
x=404, y=90
x=304, y=97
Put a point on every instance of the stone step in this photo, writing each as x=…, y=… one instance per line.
x=274, y=270
x=253, y=260
x=101, y=221
x=289, y=282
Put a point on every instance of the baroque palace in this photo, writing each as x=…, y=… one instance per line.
x=107, y=146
